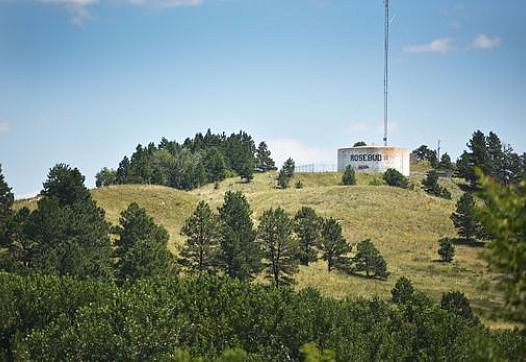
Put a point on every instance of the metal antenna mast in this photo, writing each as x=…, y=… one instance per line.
x=386, y=69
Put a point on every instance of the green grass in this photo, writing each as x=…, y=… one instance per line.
x=405, y=225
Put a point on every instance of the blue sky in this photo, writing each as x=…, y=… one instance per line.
x=84, y=81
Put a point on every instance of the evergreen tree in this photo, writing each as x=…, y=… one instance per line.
x=280, y=249
x=457, y=303
x=446, y=250
x=333, y=245
x=431, y=186
x=463, y=167
x=289, y=166
x=349, y=176
x=105, y=177
x=140, y=246
x=464, y=218
x=263, y=160
x=394, y=178
x=247, y=169
x=445, y=163
x=67, y=234
x=403, y=291
x=433, y=158
x=123, y=171
x=66, y=185
x=360, y=144
x=283, y=180
x=240, y=252
x=496, y=163
x=201, y=247
x=369, y=260
x=20, y=248
x=215, y=165
x=6, y=213
x=478, y=157
x=307, y=227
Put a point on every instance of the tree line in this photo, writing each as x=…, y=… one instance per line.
x=197, y=161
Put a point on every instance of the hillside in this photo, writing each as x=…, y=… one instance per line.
x=404, y=224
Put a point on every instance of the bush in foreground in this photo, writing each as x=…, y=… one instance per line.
x=394, y=178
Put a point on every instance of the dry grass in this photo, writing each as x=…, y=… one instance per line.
x=404, y=224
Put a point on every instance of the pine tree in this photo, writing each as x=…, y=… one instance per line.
x=264, y=162
x=279, y=247
x=349, y=176
x=307, y=226
x=496, y=163
x=289, y=166
x=283, y=180
x=464, y=217
x=402, y=291
x=333, y=245
x=140, y=246
x=6, y=213
x=431, y=186
x=215, y=165
x=478, y=157
x=65, y=184
x=201, y=247
x=360, y=144
x=446, y=250
x=106, y=177
x=445, y=163
x=369, y=260
x=240, y=252
x=457, y=303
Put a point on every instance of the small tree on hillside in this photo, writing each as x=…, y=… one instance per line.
x=106, y=177
x=201, y=247
x=369, y=260
x=289, y=166
x=307, y=227
x=349, y=176
x=445, y=163
x=333, y=245
x=402, y=291
x=263, y=160
x=457, y=303
x=283, y=180
x=464, y=218
x=141, y=246
x=431, y=186
x=394, y=178
x=446, y=250
x=240, y=253
x=280, y=249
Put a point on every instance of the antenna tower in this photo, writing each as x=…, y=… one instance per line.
x=386, y=69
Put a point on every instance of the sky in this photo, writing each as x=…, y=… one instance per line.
x=84, y=81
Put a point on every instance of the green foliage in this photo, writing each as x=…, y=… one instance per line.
x=201, y=248
x=403, y=291
x=445, y=163
x=141, y=246
x=283, y=180
x=333, y=245
x=424, y=153
x=197, y=161
x=394, y=178
x=106, y=177
x=66, y=185
x=431, y=186
x=311, y=353
x=456, y=302
x=360, y=144
x=369, y=260
x=240, y=253
x=6, y=213
x=212, y=318
x=446, y=250
x=349, y=176
x=264, y=162
x=503, y=216
x=464, y=218
x=289, y=166
x=307, y=227
x=279, y=247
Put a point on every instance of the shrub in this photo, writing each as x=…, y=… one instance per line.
x=456, y=302
x=394, y=178
x=349, y=176
x=431, y=186
x=299, y=184
x=402, y=291
x=446, y=250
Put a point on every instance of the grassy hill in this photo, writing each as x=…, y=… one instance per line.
x=404, y=224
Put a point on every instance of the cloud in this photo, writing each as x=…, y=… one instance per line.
x=4, y=127
x=78, y=8
x=301, y=153
x=167, y=3
x=440, y=45
x=483, y=41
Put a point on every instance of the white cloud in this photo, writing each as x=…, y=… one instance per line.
x=301, y=153
x=166, y=3
x=78, y=8
x=4, y=127
x=440, y=45
x=483, y=41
